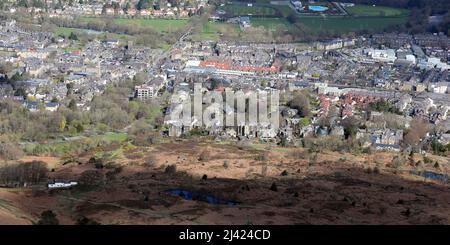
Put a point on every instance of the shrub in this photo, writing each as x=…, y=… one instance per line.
x=144, y=139
x=149, y=161
x=262, y=157
x=396, y=162
x=298, y=154
x=225, y=164
x=436, y=165
x=427, y=160
x=243, y=145
x=98, y=165
x=264, y=170
x=367, y=150
x=10, y=151
x=204, y=156
x=48, y=218
x=94, y=160
x=111, y=165
x=376, y=170
x=86, y=221
x=171, y=169
x=91, y=178
x=274, y=187
x=332, y=143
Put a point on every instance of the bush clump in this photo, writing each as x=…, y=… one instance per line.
x=91, y=178
x=274, y=187
x=48, y=218
x=171, y=169
x=149, y=161
x=86, y=221
x=262, y=157
x=204, y=156
x=226, y=165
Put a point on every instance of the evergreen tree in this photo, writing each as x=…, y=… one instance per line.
x=48, y=218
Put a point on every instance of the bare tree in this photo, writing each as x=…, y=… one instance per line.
x=300, y=102
x=9, y=151
x=416, y=131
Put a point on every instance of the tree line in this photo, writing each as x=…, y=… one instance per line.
x=22, y=174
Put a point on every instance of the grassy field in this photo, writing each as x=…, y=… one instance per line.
x=270, y=23
x=285, y=10
x=363, y=17
x=241, y=9
x=380, y=11
x=316, y=24
x=213, y=30
x=161, y=25
x=348, y=24
x=60, y=147
x=65, y=31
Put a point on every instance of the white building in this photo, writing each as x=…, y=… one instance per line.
x=61, y=184
x=297, y=4
x=144, y=92
x=382, y=55
x=433, y=62
x=244, y=22
x=411, y=58
x=439, y=88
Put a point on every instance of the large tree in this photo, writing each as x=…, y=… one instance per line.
x=416, y=132
x=300, y=102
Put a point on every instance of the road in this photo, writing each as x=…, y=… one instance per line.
x=157, y=61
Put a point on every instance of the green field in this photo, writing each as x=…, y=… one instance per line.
x=241, y=9
x=316, y=24
x=160, y=25
x=59, y=147
x=349, y=24
x=285, y=10
x=380, y=11
x=363, y=17
x=258, y=9
x=339, y=25
x=65, y=31
x=213, y=30
x=271, y=23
